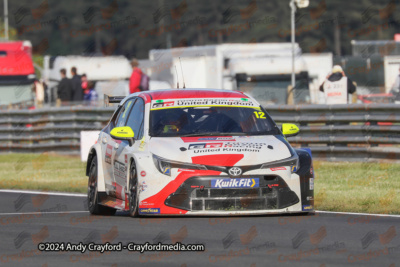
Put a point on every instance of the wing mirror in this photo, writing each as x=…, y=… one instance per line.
x=289, y=129
x=123, y=133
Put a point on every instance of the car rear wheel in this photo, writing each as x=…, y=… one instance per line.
x=92, y=199
x=133, y=191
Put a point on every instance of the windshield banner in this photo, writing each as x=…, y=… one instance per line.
x=205, y=102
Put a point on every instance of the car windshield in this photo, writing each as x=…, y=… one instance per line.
x=212, y=120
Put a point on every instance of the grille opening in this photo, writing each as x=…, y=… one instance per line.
x=251, y=204
x=197, y=204
x=266, y=191
x=220, y=204
x=234, y=192
x=201, y=193
x=271, y=178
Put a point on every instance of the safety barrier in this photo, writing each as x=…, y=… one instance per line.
x=49, y=129
x=357, y=132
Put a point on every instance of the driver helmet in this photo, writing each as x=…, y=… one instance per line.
x=172, y=121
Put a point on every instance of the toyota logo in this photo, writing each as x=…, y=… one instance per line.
x=235, y=171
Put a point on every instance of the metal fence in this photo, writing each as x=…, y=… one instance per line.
x=356, y=132
x=338, y=132
x=55, y=129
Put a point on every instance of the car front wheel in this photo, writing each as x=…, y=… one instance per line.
x=92, y=198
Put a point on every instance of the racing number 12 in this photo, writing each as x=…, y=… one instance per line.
x=260, y=114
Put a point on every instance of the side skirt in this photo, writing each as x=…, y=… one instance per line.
x=112, y=202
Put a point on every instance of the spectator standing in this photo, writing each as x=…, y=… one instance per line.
x=91, y=96
x=337, y=87
x=64, y=90
x=139, y=81
x=77, y=92
x=84, y=84
x=134, y=81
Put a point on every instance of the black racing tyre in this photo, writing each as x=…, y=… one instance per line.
x=94, y=207
x=133, y=191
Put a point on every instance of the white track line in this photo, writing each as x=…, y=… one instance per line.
x=43, y=193
x=359, y=214
x=42, y=213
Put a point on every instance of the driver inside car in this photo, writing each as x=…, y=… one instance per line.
x=173, y=121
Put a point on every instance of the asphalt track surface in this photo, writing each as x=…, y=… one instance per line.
x=324, y=239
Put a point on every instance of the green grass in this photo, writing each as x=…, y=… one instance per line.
x=43, y=172
x=357, y=187
x=353, y=187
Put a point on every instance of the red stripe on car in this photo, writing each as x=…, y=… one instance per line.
x=218, y=160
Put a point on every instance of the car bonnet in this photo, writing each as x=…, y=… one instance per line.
x=221, y=150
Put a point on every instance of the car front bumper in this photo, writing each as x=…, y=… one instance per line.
x=197, y=194
x=201, y=194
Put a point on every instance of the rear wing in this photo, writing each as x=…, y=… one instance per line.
x=112, y=99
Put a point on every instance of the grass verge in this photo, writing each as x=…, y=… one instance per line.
x=46, y=172
x=357, y=187
x=352, y=187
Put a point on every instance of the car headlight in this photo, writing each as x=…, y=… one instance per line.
x=293, y=162
x=164, y=165
x=296, y=167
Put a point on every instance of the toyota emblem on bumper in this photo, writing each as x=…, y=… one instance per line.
x=235, y=171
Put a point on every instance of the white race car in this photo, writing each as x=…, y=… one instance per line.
x=197, y=152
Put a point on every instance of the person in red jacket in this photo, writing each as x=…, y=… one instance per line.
x=84, y=85
x=134, y=81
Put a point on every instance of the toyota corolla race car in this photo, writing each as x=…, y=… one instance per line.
x=197, y=152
